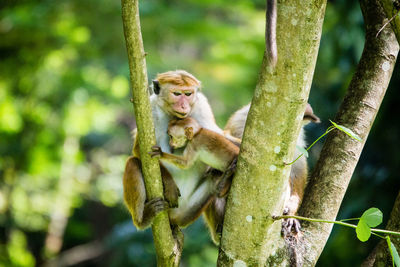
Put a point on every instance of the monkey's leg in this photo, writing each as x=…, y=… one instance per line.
x=298, y=182
x=171, y=190
x=214, y=217
x=142, y=211
x=189, y=211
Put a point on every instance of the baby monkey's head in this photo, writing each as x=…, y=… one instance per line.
x=182, y=131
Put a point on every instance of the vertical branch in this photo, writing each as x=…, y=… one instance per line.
x=163, y=239
x=340, y=154
x=250, y=236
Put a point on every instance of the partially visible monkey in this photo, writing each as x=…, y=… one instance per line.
x=176, y=95
x=298, y=173
x=202, y=145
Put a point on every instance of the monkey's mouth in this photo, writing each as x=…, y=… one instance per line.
x=181, y=114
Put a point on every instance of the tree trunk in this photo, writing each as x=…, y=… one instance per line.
x=163, y=239
x=392, y=8
x=250, y=235
x=340, y=153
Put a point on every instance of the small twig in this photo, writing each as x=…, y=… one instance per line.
x=381, y=29
x=335, y=222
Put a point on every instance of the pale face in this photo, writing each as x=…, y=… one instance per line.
x=177, y=137
x=178, y=100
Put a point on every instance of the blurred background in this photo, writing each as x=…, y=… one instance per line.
x=65, y=121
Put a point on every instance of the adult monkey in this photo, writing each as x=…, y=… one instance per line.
x=176, y=95
x=299, y=170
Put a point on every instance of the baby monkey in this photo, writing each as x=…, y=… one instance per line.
x=201, y=144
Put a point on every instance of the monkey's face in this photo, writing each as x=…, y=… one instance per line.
x=179, y=100
x=177, y=137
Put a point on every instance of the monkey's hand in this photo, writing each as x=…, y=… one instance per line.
x=224, y=183
x=172, y=194
x=156, y=151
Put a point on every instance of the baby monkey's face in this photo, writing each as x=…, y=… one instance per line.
x=177, y=137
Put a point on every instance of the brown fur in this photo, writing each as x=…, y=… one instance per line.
x=178, y=77
x=166, y=106
x=221, y=151
x=298, y=174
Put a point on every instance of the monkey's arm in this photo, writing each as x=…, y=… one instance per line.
x=183, y=162
x=233, y=139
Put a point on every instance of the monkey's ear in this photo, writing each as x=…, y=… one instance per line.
x=310, y=116
x=156, y=87
x=189, y=133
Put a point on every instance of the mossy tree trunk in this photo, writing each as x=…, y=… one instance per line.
x=250, y=235
x=340, y=153
x=163, y=239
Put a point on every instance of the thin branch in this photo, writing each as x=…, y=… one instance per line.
x=163, y=239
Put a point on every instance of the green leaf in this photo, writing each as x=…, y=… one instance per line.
x=393, y=252
x=346, y=131
x=363, y=231
x=372, y=217
x=302, y=150
x=395, y=255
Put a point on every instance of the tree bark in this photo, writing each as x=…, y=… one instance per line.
x=163, y=239
x=340, y=153
x=250, y=235
x=392, y=8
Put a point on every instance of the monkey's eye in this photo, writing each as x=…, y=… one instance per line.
x=177, y=93
x=188, y=94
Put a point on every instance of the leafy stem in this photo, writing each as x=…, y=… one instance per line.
x=374, y=230
x=370, y=218
x=330, y=128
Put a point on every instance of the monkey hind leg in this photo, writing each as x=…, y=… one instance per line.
x=171, y=190
x=135, y=192
x=214, y=217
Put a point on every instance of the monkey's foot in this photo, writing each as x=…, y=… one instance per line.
x=156, y=151
x=291, y=226
x=155, y=206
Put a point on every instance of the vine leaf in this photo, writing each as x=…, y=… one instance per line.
x=346, y=131
x=302, y=150
x=363, y=230
x=393, y=252
x=372, y=217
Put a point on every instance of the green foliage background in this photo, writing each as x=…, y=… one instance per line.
x=65, y=119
